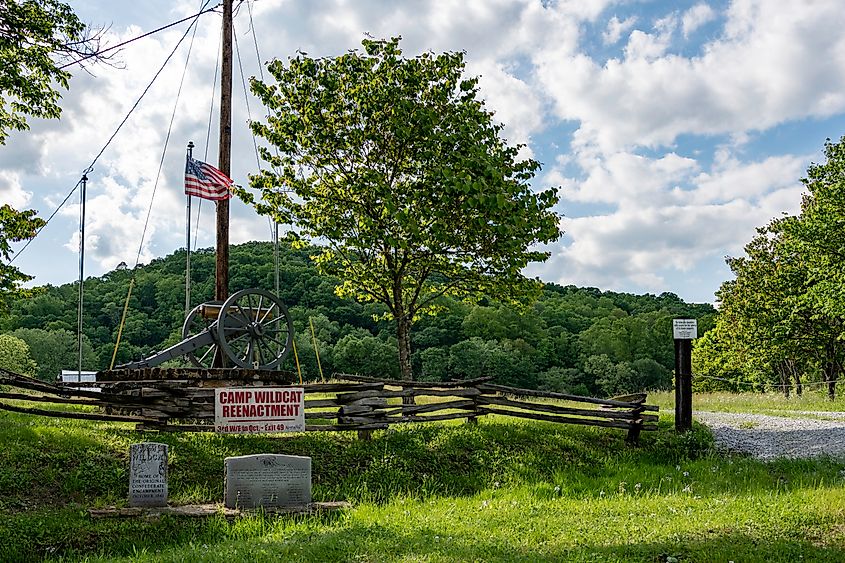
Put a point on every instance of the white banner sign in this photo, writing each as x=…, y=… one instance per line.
x=685, y=329
x=256, y=410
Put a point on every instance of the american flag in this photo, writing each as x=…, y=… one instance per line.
x=205, y=181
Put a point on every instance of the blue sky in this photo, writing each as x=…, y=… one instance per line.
x=673, y=128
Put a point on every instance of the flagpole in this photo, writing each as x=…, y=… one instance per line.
x=224, y=164
x=82, y=197
x=188, y=242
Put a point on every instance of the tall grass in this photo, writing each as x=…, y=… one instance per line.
x=812, y=400
x=499, y=490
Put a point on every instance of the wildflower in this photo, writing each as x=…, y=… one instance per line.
x=485, y=504
x=601, y=493
x=557, y=489
x=637, y=487
x=687, y=489
x=686, y=473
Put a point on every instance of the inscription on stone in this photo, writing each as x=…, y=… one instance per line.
x=148, y=474
x=267, y=480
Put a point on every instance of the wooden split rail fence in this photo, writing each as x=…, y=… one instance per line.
x=182, y=399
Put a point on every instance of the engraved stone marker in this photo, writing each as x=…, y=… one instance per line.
x=148, y=474
x=267, y=480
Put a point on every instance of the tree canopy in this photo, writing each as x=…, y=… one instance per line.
x=15, y=226
x=549, y=345
x=397, y=165
x=783, y=314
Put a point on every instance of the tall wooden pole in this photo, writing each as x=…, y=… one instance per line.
x=683, y=385
x=684, y=331
x=224, y=159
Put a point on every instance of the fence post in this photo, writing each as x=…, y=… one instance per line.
x=684, y=331
x=633, y=437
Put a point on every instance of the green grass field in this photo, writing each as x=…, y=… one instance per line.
x=502, y=490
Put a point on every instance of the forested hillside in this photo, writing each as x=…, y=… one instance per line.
x=579, y=340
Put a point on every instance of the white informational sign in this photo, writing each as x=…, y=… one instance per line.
x=257, y=410
x=685, y=329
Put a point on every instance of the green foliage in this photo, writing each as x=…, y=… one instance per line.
x=542, y=346
x=396, y=163
x=366, y=355
x=15, y=226
x=782, y=317
x=55, y=350
x=15, y=356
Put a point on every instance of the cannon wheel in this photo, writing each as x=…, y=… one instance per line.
x=254, y=329
x=195, y=324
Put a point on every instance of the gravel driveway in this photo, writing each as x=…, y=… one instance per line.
x=802, y=434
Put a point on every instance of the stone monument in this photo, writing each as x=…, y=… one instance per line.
x=148, y=474
x=267, y=480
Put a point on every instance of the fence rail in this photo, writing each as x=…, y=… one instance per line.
x=182, y=399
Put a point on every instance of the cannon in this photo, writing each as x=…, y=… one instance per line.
x=252, y=329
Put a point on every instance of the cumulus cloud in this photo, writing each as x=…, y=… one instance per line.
x=695, y=17
x=615, y=28
x=11, y=191
x=642, y=203
x=766, y=70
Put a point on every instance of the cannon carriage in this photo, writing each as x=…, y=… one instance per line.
x=252, y=329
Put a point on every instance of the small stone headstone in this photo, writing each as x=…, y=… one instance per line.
x=267, y=480
x=148, y=474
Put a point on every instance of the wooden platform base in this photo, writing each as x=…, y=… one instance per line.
x=213, y=509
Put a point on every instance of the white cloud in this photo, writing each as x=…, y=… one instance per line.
x=642, y=204
x=11, y=191
x=764, y=71
x=516, y=104
x=668, y=215
x=615, y=28
x=695, y=17
x=625, y=177
x=733, y=179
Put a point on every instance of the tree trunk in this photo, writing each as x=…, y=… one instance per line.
x=830, y=376
x=403, y=335
x=783, y=375
x=799, y=387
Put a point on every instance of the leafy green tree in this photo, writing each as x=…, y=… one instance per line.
x=817, y=237
x=564, y=380
x=398, y=166
x=36, y=36
x=434, y=364
x=14, y=356
x=54, y=351
x=366, y=356
x=783, y=314
x=15, y=226
x=468, y=358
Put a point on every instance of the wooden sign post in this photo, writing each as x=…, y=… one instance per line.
x=684, y=331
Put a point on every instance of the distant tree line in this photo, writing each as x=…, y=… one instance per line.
x=576, y=340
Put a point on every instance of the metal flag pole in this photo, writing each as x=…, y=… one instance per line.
x=82, y=197
x=188, y=242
